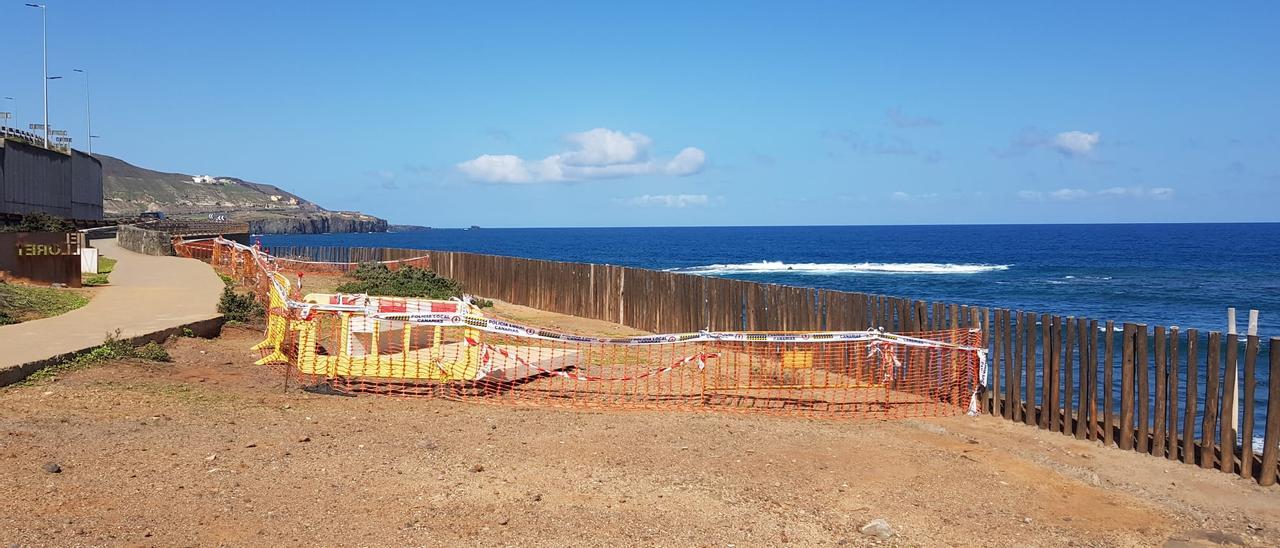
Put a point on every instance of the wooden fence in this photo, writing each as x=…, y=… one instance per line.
x=1128, y=385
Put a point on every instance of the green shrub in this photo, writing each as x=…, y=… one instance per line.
x=227, y=280
x=105, y=265
x=152, y=352
x=93, y=280
x=409, y=281
x=187, y=332
x=40, y=222
x=112, y=348
x=481, y=303
x=238, y=308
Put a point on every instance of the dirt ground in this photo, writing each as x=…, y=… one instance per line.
x=213, y=450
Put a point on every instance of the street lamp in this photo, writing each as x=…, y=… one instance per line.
x=12, y=113
x=88, y=114
x=44, y=38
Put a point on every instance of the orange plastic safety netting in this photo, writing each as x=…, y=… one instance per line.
x=405, y=346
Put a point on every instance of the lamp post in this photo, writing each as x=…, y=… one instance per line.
x=10, y=114
x=44, y=38
x=88, y=114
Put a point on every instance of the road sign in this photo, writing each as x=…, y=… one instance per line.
x=6, y=115
x=58, y=132
x=36, y=126
x=63, y=139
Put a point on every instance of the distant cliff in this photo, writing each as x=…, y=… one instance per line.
x=317, y=223
x=129, y=190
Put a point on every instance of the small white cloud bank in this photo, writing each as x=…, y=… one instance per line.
x=1075, y=143
x=595, y=154
x=1078, y=194
x=669, y=200
x=908, y=197
x=1071, y=144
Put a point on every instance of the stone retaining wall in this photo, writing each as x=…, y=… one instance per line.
x=147, y=242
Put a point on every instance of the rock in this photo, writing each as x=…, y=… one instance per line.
x=537, y=497
x=317, y=222
x=304, y=439
x=477, y=468
x=878, y=528
x=251, y=445
x=1205, y=537
x=505, y=520
x=52, y=468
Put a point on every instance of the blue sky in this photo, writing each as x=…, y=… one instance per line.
x=684, y=113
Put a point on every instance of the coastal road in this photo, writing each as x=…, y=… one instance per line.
x=147, y=294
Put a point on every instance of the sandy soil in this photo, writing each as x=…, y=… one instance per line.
x=213, y=450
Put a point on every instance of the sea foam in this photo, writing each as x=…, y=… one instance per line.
x=779, y=267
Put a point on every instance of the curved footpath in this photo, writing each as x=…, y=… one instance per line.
x=147, y=295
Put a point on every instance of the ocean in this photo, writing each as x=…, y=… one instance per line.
x=1159, y=274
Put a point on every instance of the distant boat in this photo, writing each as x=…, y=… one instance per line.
x=474, y=227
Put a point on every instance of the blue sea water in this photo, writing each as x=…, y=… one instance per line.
x=1159, y=274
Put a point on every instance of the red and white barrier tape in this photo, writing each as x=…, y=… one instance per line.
x=486, y=356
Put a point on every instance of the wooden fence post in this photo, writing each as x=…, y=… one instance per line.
x=1250, y=386
x=1171, y=451
x=1230, y=407
x=1161, y=392
x=1144, y=392
x=1208, y=426
x=1271, y=442
x=1029, y=354
x=1108, y=382
x=1068, y=391
x=1126, y=388
x=1092, y=406
x=1189, y=418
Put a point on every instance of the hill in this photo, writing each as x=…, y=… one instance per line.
x=129, y=190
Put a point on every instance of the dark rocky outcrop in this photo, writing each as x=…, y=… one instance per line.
x=317, y=223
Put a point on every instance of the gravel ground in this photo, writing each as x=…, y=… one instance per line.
x=213, y=450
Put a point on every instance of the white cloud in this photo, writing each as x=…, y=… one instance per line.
x=595, y=154
x=905, y=197
x=1067, y=143
x=1155, y=193
x=604, y=147
x=689, y=161
x=669, y=200
x=1068, y=194
x=1119, y=192
x=1075, y=143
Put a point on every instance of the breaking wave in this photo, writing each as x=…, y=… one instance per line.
x=775, y=267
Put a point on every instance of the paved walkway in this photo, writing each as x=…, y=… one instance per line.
x=147, y=294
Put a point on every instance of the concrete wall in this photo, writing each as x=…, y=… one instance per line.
x=147, y=242
x=86, y=186
x=207, y=329
x=36, y=180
